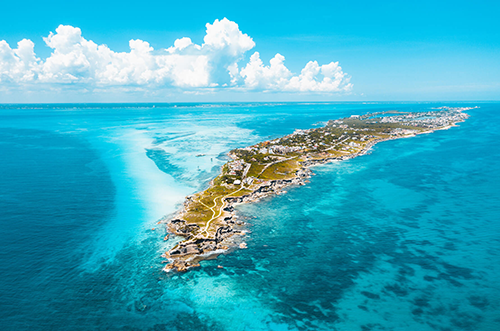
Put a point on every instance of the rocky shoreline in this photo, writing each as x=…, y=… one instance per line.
x=189, y=253
x=197, y=247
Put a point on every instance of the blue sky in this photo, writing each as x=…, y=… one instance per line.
x=364, y=50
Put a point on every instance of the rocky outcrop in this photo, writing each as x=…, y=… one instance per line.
x=181, y=265
x=181, y=227
x=188, y=253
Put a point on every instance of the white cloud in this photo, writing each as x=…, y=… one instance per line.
x=213, y=64
x=18, y=65
x=309, y=80
x=181, y=44
x=272, y=77
x=277, y=77
x=225, y=35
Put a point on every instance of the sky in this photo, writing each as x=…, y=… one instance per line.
x=173, y=51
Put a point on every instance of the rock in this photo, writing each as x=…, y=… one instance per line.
x=180, y=266
x=222, y=232
x=191, y=249
x=243, y=245
x=207, y=247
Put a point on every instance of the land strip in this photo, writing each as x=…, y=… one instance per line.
x=266, y=168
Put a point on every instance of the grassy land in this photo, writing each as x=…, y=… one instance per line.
x=281, y=170
x=255, y=170
x=317, y=144
x=205, y=215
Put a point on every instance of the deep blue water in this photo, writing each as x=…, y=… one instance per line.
x=404, y=238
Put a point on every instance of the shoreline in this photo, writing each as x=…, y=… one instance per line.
x=186, y=255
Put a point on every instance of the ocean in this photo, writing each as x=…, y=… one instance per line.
x=406, y=237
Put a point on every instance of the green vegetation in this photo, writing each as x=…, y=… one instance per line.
x=281, y=159
x=281, y=170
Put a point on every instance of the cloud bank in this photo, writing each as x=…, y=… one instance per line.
x=215, y=64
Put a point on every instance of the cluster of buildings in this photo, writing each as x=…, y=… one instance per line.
x=236, y=165
x=350, y=136
x=431, y=119
x=400, y=131
x=274, y=149
x=279, y=149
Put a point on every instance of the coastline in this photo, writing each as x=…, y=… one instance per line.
x=188, y=253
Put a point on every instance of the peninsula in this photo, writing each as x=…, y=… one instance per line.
x=207, y=222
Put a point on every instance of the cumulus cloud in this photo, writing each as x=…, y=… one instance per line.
x=277, y=77
x=258, y=76
x=18, y=65
x=214, y=64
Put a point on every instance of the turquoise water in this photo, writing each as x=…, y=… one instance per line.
x=404, y=238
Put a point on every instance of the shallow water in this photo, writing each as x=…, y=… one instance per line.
x=404, y=238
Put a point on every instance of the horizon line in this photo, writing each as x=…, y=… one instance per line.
x=239, y=102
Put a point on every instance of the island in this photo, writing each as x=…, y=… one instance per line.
x=207, y=222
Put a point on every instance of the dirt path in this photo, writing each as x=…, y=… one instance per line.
x=220, y=210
